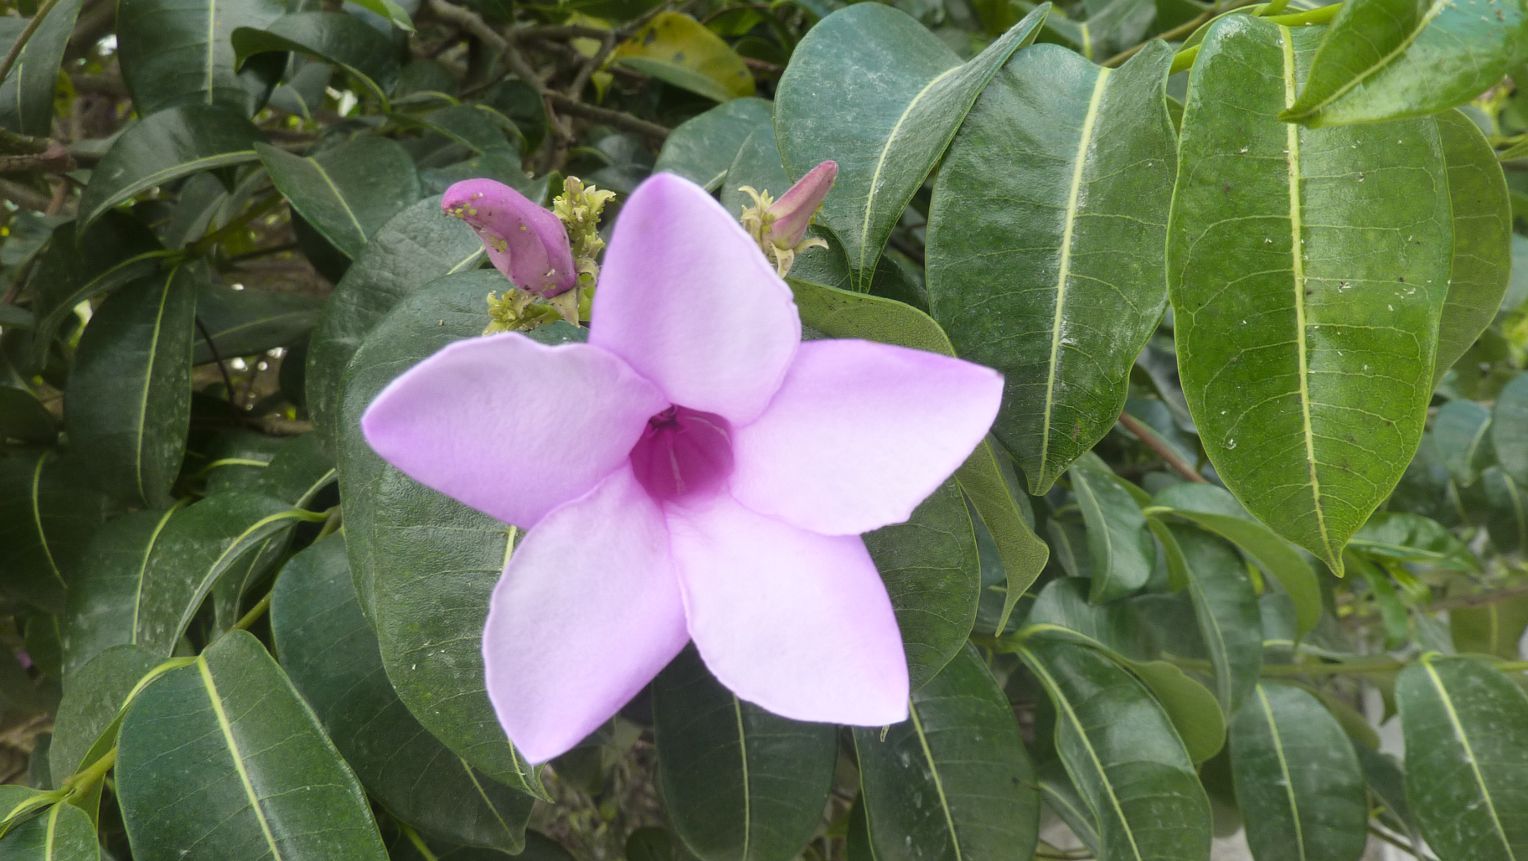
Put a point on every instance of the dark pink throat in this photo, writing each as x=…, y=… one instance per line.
x=683, y=452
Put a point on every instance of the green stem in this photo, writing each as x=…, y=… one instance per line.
x=254, y=613
x=83, y=781
x=31, y=28
x=419, y=844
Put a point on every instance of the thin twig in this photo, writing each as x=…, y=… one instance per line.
x=1168, y=456
x=605, y=115
x=213, y=349
x=1481, y=600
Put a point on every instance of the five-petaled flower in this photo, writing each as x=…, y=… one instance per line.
x=693, y=472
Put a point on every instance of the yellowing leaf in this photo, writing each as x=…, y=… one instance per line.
x=678, y=50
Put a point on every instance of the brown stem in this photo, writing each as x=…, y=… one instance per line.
x=605, y=115
x=1168, y=456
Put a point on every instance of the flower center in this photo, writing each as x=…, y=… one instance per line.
x=682, y=452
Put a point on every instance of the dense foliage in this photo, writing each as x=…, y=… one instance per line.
x=1241, y=561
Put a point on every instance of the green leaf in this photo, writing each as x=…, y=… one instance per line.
x=195, y=549
x=677, y=49
x=1412, y=538
x=933, y=577
x=1213, y=509
x=1509, y=428
x=1506, y=511
x=1192, y=708
x=414, y=247
x=176, y=53
x=245, y=322
x=105, y=598
x=1494, y=628
x=394, y=13
x=1466, y=729
x=1384, y=59
x=26, y=96
x=1225, y=606
x=953, y=780
x=77, y=266
x=702, y=148
x=48, y=511
x=1051, y=269
x=268, y=781
x=1118, y=543
x=737, y=781
x=1461, y=430
x=330, y=652
x=163, y=147
x=1307, y=269
x=62, y=833
x=346, y=193
x=128, y=402
x=870, y=88
x=333, y=37
x=1123, y=756
x=93, y=698
x=1482, y=259
x=424, y=564
x=1298, y=781
x=23, y=418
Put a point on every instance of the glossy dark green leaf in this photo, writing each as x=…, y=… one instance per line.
x=1462, y=432
x=1119, y=545
x=78, y=266
x=703, y=148
x=1298, y=781
x=23, y=418
x=333, y=37
x=26, y=96
x=128, y=402
x=330, y=652
x=1383, y=59
x=166, y=146
x=346, y=193
x=1225, y=606
x=245, y=322
x=1062, y=798
x=737, y=781
x=104, y=600
x=1308, y=270
x=424, y=564
x=1466, y=729
x=1482, y=259
x=93, y=697
x=197, y=547
x=872, y=89
x=1123, y=756
x=1509, y=428
x=1051, y=269
x=1494, y=628
x=416, y=246
x=61, y=833
x=952, y=781
x=933, y=578
x=268, y=781
x=176, y=52
x=48, y=511
x=842, y=314
x=394, y=13
x=1212, y=508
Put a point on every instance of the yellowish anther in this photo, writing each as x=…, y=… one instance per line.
x=580, y=208
x=759, y=222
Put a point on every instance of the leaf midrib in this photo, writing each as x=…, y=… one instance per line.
x=238, y=758
x=1469, y=754
x=1064, y=265
x=1297, y=263
x=1289, y=785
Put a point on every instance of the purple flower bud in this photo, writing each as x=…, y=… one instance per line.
x=525, y=242
x=794, y=210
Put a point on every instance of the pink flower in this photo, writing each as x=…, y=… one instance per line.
x=794, y=210
x=525, y=242
x=693, y=472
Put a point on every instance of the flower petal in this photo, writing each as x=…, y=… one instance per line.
x=687, y=298
x=511, y=427
x=587, y=612
x=861, y=433
x=527, y=243
x=796, y=622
